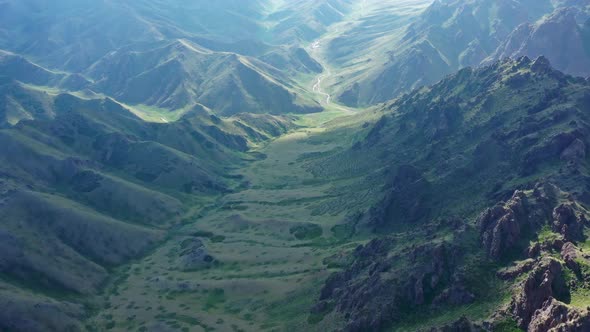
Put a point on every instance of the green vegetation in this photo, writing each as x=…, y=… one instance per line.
x=507, y=325
x=193, y=166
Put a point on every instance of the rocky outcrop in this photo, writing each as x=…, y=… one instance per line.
x=360, y=288
x=194, y=255
x=570, y=255
x=541, y=65
x=377, y=289
x=568, y=223
x=556, y=316
x=501, y=226
x=427, y=276
x=543, y=283
x=534, y=250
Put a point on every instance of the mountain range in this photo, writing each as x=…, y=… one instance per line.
x=271, y=165
x=450, y=35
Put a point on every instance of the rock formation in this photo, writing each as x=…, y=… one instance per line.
x=376, y=290
x=557, y=316
x=568, y=223
x=194, y=255
x=500, y=226
x=544, y=282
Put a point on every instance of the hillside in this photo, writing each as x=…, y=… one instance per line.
x=88, y=186
x=179, y=74
x=19, y=102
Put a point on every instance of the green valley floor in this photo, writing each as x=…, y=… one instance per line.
x=269, y=239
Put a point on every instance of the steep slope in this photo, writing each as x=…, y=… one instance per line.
x=180, y=74
x=18, y=68
x=145, y=198
x=19, y=102
x=304, y=21
x=292, y=61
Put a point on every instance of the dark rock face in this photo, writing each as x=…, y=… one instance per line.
x=544, y=282
x=568, y=223
x=375, y=292
x=360, y=287
x=556, y=316
x=500, y=226
x=503, y=226
x=534, y=250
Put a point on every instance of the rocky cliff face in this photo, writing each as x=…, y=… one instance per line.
x=378, y=288
x=504, y=226
x=544, y=282
x=539, y=300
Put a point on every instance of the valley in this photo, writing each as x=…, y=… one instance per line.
x=269, y=239
x=271, y=165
